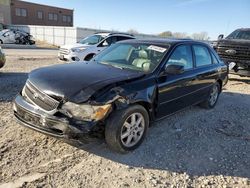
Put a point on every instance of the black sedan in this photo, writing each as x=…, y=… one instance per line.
x=121, y=91
x=2, y=58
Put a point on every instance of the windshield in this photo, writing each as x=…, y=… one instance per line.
x=139, y=57
x=91, y=40
x=240, y=34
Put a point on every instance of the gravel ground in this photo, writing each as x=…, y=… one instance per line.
x=193, y=148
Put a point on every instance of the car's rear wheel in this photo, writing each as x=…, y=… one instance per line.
x=126, y=129
x=1, y=42
x=212, y=99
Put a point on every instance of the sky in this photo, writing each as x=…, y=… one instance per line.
x=155, y=16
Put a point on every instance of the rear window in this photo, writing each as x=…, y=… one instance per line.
x=202, y=56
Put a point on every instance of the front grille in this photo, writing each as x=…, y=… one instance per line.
x=39, y=98
x=242, y=52
x=63, y=51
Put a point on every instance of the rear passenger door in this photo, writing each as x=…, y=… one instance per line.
x=206, y=70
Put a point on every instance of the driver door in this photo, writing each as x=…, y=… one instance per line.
x=175, y=90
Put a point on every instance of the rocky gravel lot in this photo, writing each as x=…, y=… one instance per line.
x=193, y=148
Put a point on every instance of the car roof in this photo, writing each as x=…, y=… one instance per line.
x=102, y=34
x=163, y=42
x=243, y=29
x=114, y=33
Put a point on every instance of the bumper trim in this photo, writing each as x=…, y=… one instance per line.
x=33, y=118
x=26, y=124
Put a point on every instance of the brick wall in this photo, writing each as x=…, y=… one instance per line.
x=25, y=13
x=5, y=17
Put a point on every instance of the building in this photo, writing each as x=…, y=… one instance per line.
x=15, y=12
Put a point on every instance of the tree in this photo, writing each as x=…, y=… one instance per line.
x=132, y=31
x=200, y=36
x=166, y=34
x=180, y=35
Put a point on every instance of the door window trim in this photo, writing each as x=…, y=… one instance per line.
x=173, y=50
x=194, y=57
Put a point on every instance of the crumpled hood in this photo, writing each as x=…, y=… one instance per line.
x=77, y=82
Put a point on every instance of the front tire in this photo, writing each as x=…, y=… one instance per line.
x=89, y=57
x=126, y=129
x=212, y=99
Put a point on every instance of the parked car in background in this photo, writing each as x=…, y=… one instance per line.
x=12, y=36
x=121, y=91
x=2, y=58
x=236, y=48
x=7, y=36
x=88, y=47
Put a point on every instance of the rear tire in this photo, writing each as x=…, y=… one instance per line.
x=1, y=42
x=126, y=129
x=212, y=99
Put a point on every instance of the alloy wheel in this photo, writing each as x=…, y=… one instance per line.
x=214, y=95
x=132, y=130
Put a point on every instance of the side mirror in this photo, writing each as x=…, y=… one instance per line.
x=174, y=69
x=221, y=36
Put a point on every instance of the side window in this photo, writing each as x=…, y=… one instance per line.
x=113, y=40
x=6, y=34
x=214, y=59
x=122, y=38
x=202, y=56
x=182, y=55
x=108, y=41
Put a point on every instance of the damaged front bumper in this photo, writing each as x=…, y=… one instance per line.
x=56, y=125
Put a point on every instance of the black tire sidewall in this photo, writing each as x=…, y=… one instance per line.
x=117, y=121
x=218, y=89
x=89, y=57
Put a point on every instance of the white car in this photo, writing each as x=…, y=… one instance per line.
x=7, y=36
x=86, y=48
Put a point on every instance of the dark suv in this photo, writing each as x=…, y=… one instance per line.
x=121, y=91
x=236, y=48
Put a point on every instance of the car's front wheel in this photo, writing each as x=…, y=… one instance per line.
x=126, y=129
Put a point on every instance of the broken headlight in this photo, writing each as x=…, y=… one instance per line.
x=85, y=112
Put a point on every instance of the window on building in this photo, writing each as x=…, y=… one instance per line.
x=53, y=16
x=40, y=15
x=21, y=12
x=69, y=19
x=66, y=18
x=50, y=16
